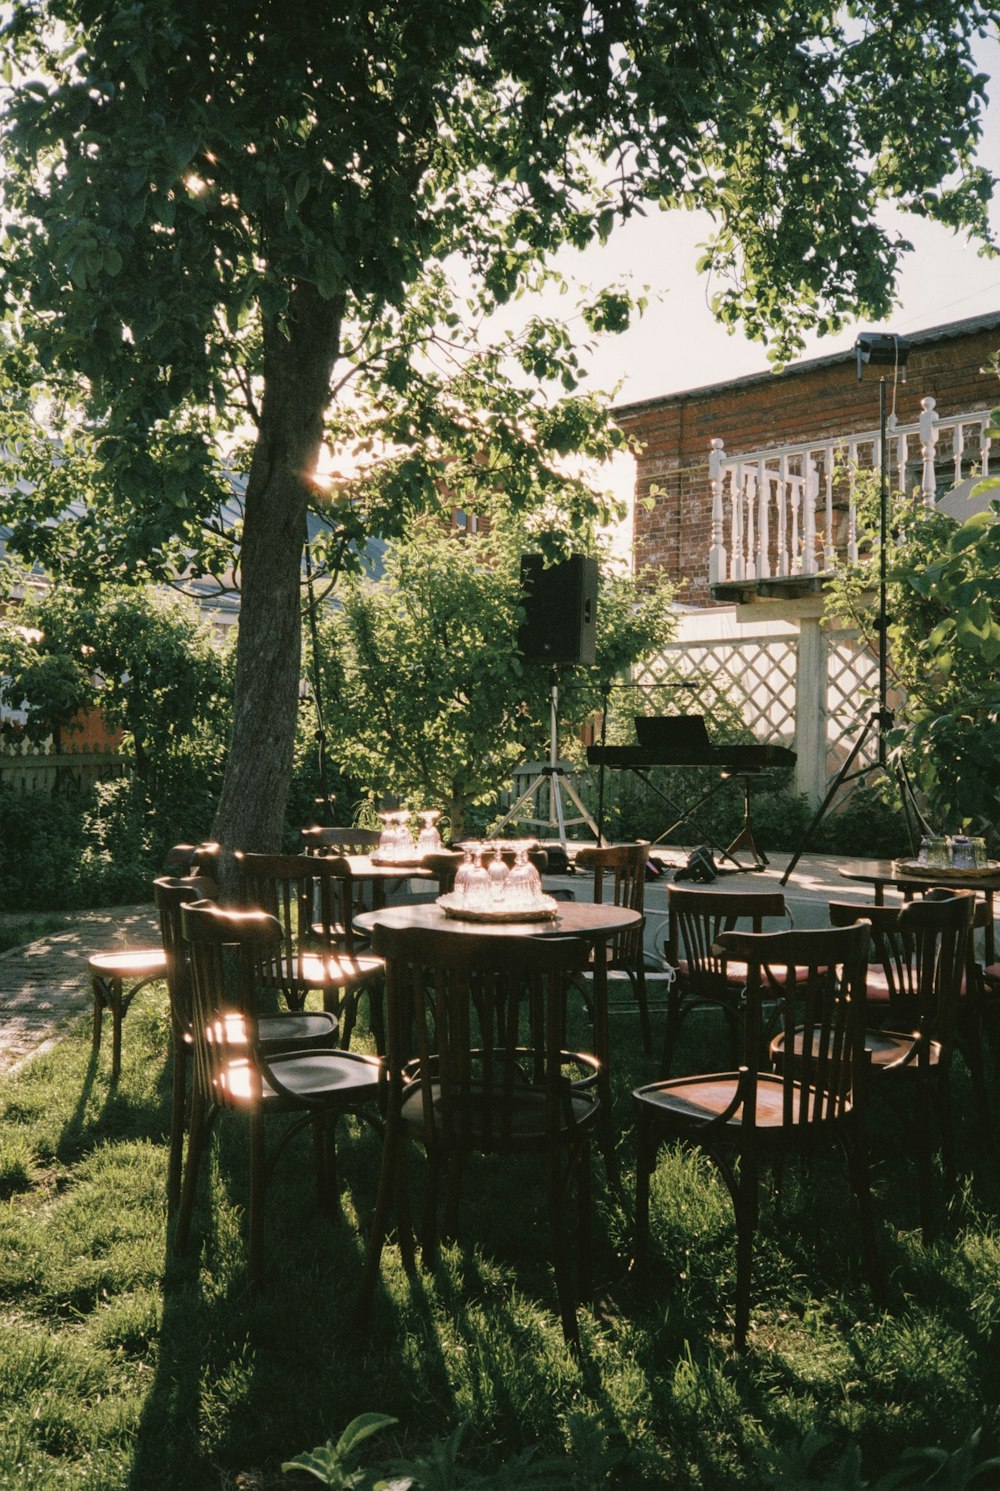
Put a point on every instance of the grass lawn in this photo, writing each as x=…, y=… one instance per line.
x=124, y=1367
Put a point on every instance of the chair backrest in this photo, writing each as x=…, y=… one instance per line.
x=339, y=840
x=227, y=950
x=482, y=1018
x=194, y=859
x=697, y=918
x=822, y=1020
x=170, y=893
x=925, y=948
x=621, y=869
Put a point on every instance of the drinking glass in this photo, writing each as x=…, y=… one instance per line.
x=477, y=889
x=499, y=874
x=429, y=841
x=463, y=874
x=524, y=884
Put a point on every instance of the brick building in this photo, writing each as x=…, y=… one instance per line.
x=819, y=402
x=752, y=484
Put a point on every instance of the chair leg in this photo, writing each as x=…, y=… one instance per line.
x=745, y=1200
x=639, y=984
x=197, y=1135
x=96, y=985
x=178, y=1114
x=560, y=1253
x=644, y=1166
x=584, y=1224
x=856, y=1150
x=258, y=1186
x=923, y=1144
x=388, y=1184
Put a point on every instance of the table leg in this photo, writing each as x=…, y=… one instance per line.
x=602, y=1050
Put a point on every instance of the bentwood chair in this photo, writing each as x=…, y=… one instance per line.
x=311, y=897
x=744, y=1117
x=235, y=1072
x=923, y=978
x=340, y=840
x=705, y=976
x=620, y=871
x=478, y=1065
x=278, y=1030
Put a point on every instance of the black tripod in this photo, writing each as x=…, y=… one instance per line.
x=886, y=351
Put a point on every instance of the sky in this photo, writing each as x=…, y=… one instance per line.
x=678, y=345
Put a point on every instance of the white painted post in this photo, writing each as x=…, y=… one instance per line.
x=750, y=488
x=829, y=548
x=782, y=505
x=810, y=491
x=737, y=562
x=717, y=553
x=810, y=710
x=928, y=449
x=763, y=523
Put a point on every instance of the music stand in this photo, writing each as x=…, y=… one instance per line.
x=876, y=349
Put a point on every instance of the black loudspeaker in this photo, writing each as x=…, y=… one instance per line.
x=560, y=610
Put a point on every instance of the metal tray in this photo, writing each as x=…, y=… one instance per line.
x=544, y=910
x=944, y=872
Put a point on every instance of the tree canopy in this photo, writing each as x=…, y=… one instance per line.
x=434, y=704
x=232, y=231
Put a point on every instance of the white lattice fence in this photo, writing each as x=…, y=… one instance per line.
x=756, y=674
x=851, y=698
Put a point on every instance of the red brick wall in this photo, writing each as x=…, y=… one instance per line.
x=814, y=400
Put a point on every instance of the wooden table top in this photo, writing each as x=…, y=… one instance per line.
x=574, y=918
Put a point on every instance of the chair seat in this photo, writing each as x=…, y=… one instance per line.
x=888, y=1050
x=694, y=1100
x=306, y=1077
x=877, y=989
x=143, y=962
x=525, y=1114
x=340, y=968
x=736, y=974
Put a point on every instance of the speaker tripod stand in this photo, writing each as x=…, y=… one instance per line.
x=557, y=777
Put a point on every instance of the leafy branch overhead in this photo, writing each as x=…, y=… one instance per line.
x=229, y=233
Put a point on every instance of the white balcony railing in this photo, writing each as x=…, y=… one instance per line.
x=789, y=511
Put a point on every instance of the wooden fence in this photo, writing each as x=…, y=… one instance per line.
x=25, y=767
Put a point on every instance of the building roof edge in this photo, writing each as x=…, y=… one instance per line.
x=967, y=327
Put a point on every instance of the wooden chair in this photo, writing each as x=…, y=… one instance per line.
x=234, y=1071
x=312, y=899
x=477, y=1031
x=277, y=1031
x=925, y=972
x=743, y=1117
x=705, y=976
x=622, y=867
x=340, y=840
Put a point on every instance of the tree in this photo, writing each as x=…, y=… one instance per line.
x=242, y=221
x=147, y=661
x=433, y=702
x=943, y=634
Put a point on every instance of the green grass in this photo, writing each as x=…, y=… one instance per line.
x=16, y=931
x=124, y=1367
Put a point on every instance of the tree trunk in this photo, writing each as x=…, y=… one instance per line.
x=297, y=370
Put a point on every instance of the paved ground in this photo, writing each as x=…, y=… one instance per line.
x=44, y=985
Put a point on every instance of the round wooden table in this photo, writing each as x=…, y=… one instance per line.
x=880, y=873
